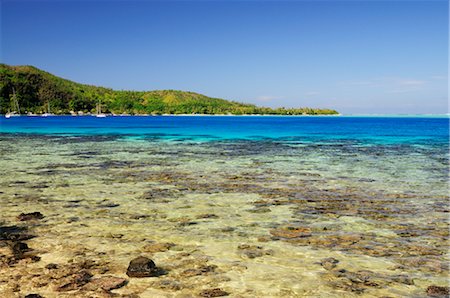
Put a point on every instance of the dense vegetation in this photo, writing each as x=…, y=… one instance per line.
x=35, y=90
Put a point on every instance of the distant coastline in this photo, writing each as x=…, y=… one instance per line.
x=247, y=115
x=27, y=89
x=244, y=115
x=175, y=115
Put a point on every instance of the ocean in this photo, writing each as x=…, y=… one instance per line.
x=258, y=206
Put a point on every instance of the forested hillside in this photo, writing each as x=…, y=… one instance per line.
x=35, y=90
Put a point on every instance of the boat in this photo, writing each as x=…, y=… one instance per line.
x=46, y=114
x=99, y=111
x=11, y=114
x=15, y=105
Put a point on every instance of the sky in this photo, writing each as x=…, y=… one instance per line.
x=352, y=56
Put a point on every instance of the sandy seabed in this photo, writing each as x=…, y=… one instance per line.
x=237, y=218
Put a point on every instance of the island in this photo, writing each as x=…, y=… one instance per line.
x=29, y=90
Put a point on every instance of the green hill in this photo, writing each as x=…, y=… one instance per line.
x=35, y=89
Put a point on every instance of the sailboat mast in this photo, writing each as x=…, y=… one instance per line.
x=16, y=102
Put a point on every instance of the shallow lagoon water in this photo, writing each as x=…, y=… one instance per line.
x=250, y=205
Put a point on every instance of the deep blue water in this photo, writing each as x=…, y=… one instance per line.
x=363, y=130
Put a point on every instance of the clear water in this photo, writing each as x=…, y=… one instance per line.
x=386, y=130
x=371, y=192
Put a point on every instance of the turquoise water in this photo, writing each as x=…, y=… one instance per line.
x=263, y=199
x=389, y=130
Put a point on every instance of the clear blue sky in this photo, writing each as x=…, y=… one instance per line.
x=354, y=56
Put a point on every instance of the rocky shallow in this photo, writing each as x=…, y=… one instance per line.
x=113, y=218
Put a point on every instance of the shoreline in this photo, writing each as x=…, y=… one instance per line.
x=243, y=115
x=159, y=115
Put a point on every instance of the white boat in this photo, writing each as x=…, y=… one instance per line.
x=99, y=111
x=12, y=114
x=16, y=106
x=46, y=114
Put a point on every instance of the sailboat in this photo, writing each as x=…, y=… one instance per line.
x=99, y=111
x=46, y=114
x=16, y=106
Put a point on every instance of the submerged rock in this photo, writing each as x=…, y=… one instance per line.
x=403, y=279
x=30, y=216
x=346, y=285
x=253, y=251
x=106, y=283
x=361, y=280
x=216, y=292
x=142, y=267
x=207, y=215
x=35, y=258
x=168, y=284
x=227, y=229
x=139, y=216
x=160, y=195
x=291, y=232
x=14, y=233
x=18, y=249
x=202, y=270
x=51, y=266
x=329, y=263
x=75, y=281
x=114, y=235
x=108, y=205
x=157, y=247
x=264, y=239
x=437, y=291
